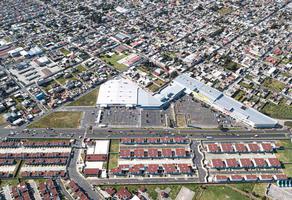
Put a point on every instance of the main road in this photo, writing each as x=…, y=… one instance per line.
x=196, y=134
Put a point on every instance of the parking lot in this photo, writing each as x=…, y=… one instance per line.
x=120, y=116
x=191, y=113
x=153, y=118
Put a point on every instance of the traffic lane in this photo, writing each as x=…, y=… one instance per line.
x=79, y=135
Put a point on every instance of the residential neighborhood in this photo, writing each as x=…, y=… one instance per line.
x=145, y=99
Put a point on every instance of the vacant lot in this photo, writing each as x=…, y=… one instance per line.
x=115, y=146
x=153, y=87
x=64, y=51
x=113, y=60
x=221, y=193
x=274, y=84
x=59, y=120
x=181, y=120
x=202, y=192
x=86, y=100
x=2, y=121
x=239, y=95
x=113, y=160
x=285, y=155
x=278, y=111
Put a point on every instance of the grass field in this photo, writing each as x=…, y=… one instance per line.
x=64, y=51
x=274, y=84
x=86, y=100
x=288, y=170
x=151, y=189
x=221, y=193
x=113, y=60
x=285, y=155
x=277, y=111
x=115, y=146
x=113, y=160
x=260, y=189
x=201, y=192
x=59, y=120
x=12, y=181
x=239, y=96
x=63, y=80
x=80, y=68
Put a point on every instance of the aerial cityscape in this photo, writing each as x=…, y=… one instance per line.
x=145, y=99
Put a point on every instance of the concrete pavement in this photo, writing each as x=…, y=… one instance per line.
x=78, y=178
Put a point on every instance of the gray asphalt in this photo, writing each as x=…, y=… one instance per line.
x=197, y=160
x=79, y=179
x=195, y=134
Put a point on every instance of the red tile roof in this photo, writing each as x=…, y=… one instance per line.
x=125, y=153
x=184, y=168
x=260, y=162
x=253, y=147
x=274, y=162
x=139, y=152
x=179, y=139
x=231, y=162
x=267, y=147
x=226, y=147
x=180, y=152
x=218, y=163
x=94, y=171
x=213, y=148
x=266, y=177
x=245, y=162
x=166, y=152
x=165, y=140
x=152, y=168
x=221, y=178
x=251, y=177
x=96, y=157
x=280, y=176
x=126, y=140
x=123, y=193
x=152, y=152
x=110, y=190
x=152, y=140
x=169, y=168
x=139, y=140
x=236, y=177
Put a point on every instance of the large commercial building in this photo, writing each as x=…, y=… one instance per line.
x=123, y=92
x=225, y=104
x=127, y=93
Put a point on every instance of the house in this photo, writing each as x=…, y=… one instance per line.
x=217, y=163
x=123, y=194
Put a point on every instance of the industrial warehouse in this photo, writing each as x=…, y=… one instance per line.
x=124, y=92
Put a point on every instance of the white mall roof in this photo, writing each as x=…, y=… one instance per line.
x=118, y=91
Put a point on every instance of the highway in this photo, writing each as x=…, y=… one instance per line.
x=196, y=134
